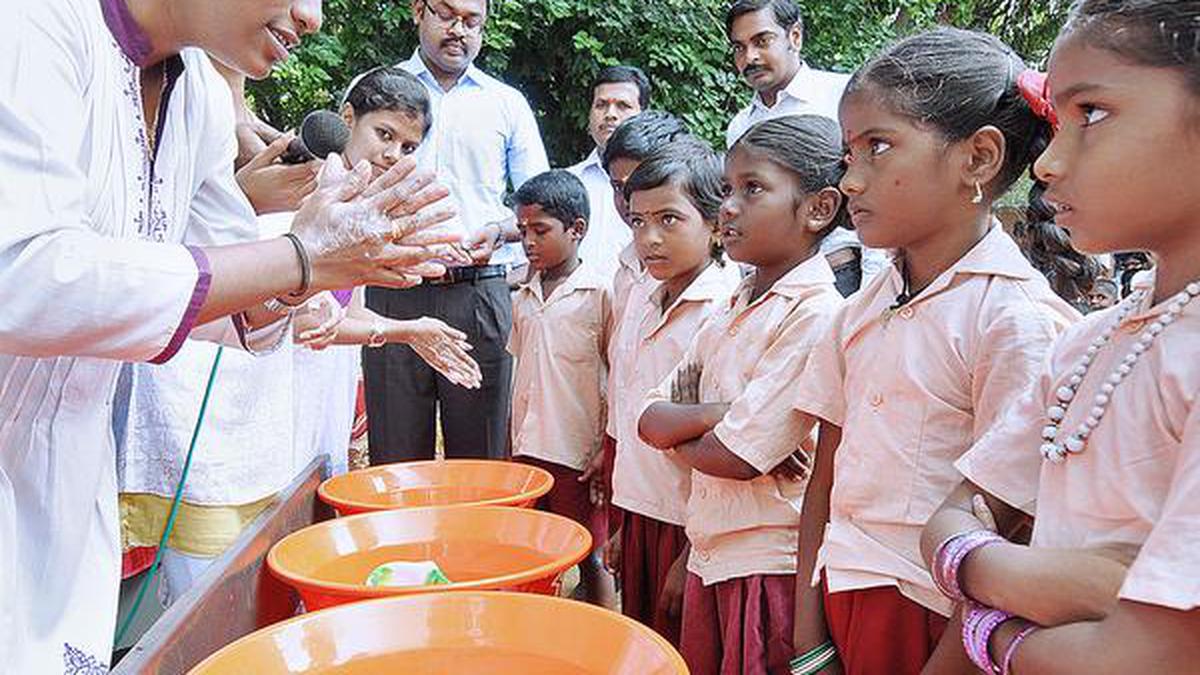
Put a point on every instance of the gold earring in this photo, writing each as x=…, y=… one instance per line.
x=978, y=198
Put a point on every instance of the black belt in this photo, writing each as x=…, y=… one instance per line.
x=457, y=275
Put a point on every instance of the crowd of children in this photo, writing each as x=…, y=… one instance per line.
x=800, y=483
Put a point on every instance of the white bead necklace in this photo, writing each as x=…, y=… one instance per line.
x=1056, y=449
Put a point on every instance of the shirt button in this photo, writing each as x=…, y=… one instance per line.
x=876, y=400
x=703, y=555
x=906, y=313
x=702, y=493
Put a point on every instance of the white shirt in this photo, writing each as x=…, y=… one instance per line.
x=91, y=273
x=484, y=136
x=811, y=92
x=607, y=234
x=244, y=452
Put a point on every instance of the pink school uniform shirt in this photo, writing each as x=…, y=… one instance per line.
x=743, y=528
x=1135, y=485
x=913, y=388
x=649, y=343
x=629, y=275
x=560, y=343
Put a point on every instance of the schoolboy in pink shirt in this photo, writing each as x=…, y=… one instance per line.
x=561, y=323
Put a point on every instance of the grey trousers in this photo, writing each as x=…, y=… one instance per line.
x=403, y=393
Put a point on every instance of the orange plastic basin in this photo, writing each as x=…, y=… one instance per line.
x=436, y=483
x=459, y=633
x=478, y=547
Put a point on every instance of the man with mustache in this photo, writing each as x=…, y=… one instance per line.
x=484, y=137
x=766, y=37
x=618, y=93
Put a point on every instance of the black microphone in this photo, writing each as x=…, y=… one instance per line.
x=321, y=133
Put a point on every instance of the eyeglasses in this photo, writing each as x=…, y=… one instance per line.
x=470, y=24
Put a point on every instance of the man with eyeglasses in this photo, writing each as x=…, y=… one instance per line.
x=484, y=138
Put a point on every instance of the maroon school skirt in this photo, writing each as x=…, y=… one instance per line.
x=740, y=626
x=648, y=549
x=878, y=631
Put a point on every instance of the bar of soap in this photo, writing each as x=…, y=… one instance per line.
x=426, y=573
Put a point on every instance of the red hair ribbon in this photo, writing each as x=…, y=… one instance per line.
x=1036, y=91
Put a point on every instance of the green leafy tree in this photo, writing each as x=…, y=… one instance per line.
x=551, y=50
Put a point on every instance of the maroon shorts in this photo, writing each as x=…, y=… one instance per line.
x=568, y=497
x=878, y=631
x=740, y=626
x=648, y=549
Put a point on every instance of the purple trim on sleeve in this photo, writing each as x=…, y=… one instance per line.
x=343, y=297
x=199, y=295
x=125, y=30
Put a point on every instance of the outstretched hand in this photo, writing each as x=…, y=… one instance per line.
x=446, y=350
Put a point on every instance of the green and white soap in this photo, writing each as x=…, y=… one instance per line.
x=426, y=573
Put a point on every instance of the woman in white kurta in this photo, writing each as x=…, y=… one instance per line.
x=244, y=453
x=108, y=163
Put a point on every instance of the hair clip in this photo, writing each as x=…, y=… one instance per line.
x=1036, y=91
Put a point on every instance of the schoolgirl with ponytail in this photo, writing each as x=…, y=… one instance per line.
x=1104, y=450
x=921, y=362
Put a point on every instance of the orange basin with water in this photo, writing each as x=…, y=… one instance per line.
x=477, y=547
x=452, y=633
x=436, y=483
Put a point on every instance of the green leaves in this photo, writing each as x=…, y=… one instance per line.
x=551, y=50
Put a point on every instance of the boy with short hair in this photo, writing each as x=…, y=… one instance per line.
x=561, y=323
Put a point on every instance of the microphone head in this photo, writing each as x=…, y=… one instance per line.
x=324, y=132
x=321, y=133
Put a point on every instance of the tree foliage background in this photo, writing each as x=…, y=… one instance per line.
x=551, y=50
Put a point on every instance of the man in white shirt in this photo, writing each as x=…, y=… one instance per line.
x=618, y=93
x=767, y=37
x=484, y=137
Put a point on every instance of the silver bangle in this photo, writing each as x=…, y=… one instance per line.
x=277, y=306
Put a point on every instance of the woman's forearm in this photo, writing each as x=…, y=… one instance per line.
x=246, y=275
x=360, y=325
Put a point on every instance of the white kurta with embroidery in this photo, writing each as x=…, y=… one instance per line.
x=84, y=285
x=244, y=452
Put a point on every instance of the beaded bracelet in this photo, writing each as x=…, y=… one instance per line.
x=950, y=556
x=814, y=660
x=1006, y=666
x=979, y=623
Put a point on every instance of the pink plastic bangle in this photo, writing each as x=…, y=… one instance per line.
x=979, y=623
x=948, y=560
x=1011, y=652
